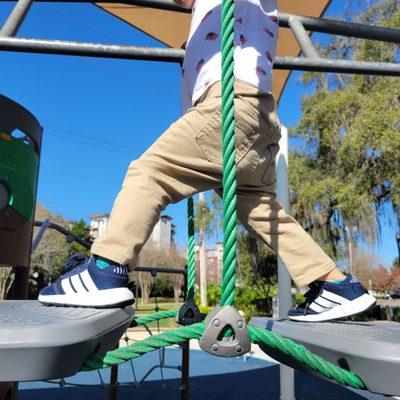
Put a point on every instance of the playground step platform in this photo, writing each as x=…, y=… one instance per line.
x=370, y=350
x=40, y=342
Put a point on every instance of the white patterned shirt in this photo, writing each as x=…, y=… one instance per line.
x=256, y=33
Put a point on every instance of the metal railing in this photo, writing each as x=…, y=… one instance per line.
x=298, y=24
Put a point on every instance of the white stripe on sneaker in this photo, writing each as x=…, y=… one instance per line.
x=317, y=308
x=66, y=286
x=87, y=280
x=78, y=284
x=350, y=307
x=335, y=298
x=325, y=302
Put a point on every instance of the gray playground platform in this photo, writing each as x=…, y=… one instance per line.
x=40, y=342
x=370, y=350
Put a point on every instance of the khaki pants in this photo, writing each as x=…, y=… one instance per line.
x=187, y=159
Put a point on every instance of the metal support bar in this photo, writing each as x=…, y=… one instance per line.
x=88, y=49
x=176, y=55
x=342, y=28
x=162, y=270
x=16, y=18
x=113, y=390
x=68, y=234
x=323, y=25
x=302, y=38
x=38, y=237
x=158, y=4
x=185, y=380
x=287, y=386
x=338, y=66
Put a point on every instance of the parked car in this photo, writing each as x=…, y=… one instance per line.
x=394, y=294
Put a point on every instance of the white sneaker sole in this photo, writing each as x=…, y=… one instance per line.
x=107, y=298
x=352, y=307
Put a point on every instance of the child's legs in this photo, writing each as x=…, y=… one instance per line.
x=172, y=169
x=265, y=218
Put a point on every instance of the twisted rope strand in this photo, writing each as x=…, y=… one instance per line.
x=228, y=153
x=191, y=271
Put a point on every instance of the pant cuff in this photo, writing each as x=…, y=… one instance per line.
x=304, y=280
x=109, y=254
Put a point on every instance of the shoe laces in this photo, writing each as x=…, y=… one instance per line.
x=311, y=295
x=72, y=262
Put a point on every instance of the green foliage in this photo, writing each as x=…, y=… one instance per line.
x=257, y=276
x=347, y=165
x=299, y=298
x=208, y=216
x=213, y=296
x=162, y=286
x=52, y=251
x=80, y=229
x=255, y=300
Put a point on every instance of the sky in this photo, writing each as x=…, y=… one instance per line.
x=100, y=114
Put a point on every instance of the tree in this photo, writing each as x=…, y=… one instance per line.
x=364, y=266
x=80, y=229
x=381, y=280
x=207, y=222
x=257, y=276
x=53, y=249
x=5, y=281
x=347, y=164
x=151, y=256
x=395, y=279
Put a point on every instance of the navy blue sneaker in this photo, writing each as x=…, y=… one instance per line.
x=84, y=284
x=327, y=301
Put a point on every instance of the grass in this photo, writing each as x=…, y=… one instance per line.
x=164, y=304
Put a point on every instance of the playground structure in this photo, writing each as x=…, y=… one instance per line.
x=96, y=331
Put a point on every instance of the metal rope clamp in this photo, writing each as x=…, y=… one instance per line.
x=188, y=314
x=218, y=322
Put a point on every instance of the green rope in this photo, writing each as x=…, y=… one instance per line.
x=228, y=153
x=258, y=336
x=191, y=270
x=137, y=349
x=146, y=319
x=305, y=357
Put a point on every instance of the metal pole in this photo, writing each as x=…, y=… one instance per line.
x=176, y=55
x=336, y=27
x=203, y=260
x=284, y=279
x=302, y=38
x=16, y=18
x=113, y=390
x=88, y=49
x=340, y=66
x=323, y=25
x=40, y=234
x=185, y=371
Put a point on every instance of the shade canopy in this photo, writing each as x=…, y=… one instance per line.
x=172, y=28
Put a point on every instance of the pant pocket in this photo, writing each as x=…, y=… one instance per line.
x=209, y=138
x=269, y=175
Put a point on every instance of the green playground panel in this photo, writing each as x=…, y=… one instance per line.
x=18, y=172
